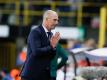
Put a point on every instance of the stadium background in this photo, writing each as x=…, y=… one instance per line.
x=18, y=16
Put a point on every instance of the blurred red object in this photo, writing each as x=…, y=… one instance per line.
x=14, y=73
x=22, y=56
x=82, y=63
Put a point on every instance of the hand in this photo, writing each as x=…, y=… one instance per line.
x=54, y=39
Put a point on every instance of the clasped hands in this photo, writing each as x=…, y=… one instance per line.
x=54, y=39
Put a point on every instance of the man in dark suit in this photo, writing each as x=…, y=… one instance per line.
x=41, y=50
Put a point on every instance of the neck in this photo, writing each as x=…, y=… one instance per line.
x=46, y=26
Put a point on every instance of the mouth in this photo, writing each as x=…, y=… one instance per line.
x=55, y=25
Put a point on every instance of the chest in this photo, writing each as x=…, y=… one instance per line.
x=44, y=40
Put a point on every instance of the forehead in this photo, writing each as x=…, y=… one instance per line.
x=54, y=16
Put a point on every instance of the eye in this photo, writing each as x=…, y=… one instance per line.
x=56, y=20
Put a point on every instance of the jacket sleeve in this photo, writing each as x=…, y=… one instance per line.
x=62, y=53
x=34, y=42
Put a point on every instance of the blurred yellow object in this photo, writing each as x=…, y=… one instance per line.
x=102, y=29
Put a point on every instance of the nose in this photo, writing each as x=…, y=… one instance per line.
x=56, y=21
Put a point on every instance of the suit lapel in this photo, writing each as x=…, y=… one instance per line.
x=43, y=36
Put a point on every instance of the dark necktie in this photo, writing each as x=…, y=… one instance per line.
x=49, y=35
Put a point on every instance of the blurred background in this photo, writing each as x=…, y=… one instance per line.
x=82, y=24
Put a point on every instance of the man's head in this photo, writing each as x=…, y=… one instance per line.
x=50, y=19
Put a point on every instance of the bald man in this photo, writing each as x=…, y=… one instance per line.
x=41, y=49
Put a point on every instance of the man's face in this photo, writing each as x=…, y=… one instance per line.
x=52, y=21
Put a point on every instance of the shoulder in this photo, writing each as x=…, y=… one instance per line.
x=36, y=30
x=34, y=33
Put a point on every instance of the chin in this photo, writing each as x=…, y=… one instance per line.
x=53, y=27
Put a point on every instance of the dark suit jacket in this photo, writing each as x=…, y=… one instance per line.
x=39, y=55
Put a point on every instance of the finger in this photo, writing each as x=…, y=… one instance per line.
x=57, y=34
x=58, y=38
